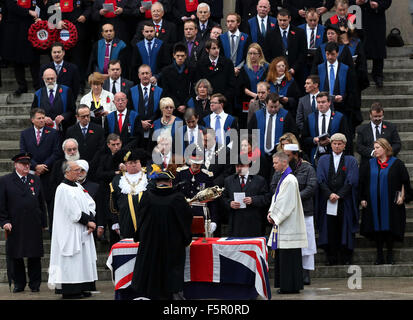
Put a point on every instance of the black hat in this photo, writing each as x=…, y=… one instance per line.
x=133, y=155
x=22, y=157
x=162, y=175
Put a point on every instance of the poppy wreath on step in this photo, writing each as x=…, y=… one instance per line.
x=67, y=36
x=40, y=35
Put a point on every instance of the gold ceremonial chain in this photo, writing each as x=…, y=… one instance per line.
x=133, y=185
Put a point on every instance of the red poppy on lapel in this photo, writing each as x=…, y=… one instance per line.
x=153, y=88
x=228, y=128
x=211, y=68
x=292, y=32
x=60, y=90
x=46, y=131
x=163, y=30
x=384, y=126
x=31, y=181
x=344, y=168
x=333, y=114
x=123, y=84
x=283, y=83
x=186, y=71
x=242, y=38
x=32, y=188
x=318, y=36
x=281, y=119
x=91, y=131
x=272, y=25
x=196, y=43
x=115, y=45
x=64, y=70
x=107, y=99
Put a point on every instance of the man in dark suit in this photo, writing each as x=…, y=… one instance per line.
x=248, y=9
x=108, y=48
x=89, y=136
x=44, y=145
x=376, y=128
x=145, y=99
x=259, y=25
x=57, y=101
x=320, y=126
x=290, y=42
x=246, y=219
x=150, y=51
x=164, y=29
x=124, y=122
x=308, y=103
x=23, y=216
x=339, y=80
x=218, y=70
x=272, y=122
x=298, y=9
x=115, y=82
x=176, y=79
x=193, y=41
x=205, y=24
x=67, y=73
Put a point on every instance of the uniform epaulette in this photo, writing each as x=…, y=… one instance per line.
x=209, y=173
x=179, y=169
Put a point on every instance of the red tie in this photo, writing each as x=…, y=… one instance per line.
x=242, y=181
x=213, y=63
x=38, y=137
x=165, y=165
x=120, y=122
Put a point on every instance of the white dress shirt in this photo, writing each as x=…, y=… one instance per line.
x=117, y=85
x=194, y=133
x=373, y=127
x=320, y=121
x=335, y=66
x=308, y=29
x=260, y=22
x=336, y=158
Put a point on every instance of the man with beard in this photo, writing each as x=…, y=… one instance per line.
x=164, y=219
x=56, y=100
x=307, y=181
x=71, y=153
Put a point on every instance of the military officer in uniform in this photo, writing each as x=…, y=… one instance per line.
x=192, y=179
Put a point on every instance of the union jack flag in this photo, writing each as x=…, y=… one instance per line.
x=219, y=260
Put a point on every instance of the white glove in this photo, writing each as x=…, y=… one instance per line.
x=115, y=226
x=212, y=227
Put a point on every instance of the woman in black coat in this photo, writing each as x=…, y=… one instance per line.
x=384, y=189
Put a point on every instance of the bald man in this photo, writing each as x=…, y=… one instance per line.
x=57, y=101
x=124, y=122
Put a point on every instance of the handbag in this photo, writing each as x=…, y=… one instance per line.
x=394, y=39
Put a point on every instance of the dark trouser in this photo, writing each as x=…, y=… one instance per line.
x=72, y=289
x=381, y=238
x=377, y=70
x=19, y=73
x=34, y=270
x=288, y=275
x=334, y=248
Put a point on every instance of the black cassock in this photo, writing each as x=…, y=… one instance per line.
x=164, y=230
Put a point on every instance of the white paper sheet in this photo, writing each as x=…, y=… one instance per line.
x=332, y=208
x=239, y=197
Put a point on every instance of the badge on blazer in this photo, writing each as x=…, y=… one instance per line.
x=78, y=3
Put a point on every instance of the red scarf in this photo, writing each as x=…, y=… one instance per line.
x=384, y=164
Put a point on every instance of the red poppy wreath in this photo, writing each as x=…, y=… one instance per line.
x=68, y=36
x=41, y=36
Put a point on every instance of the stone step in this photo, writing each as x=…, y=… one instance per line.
x=100, y=263
x=392, y=113
x=387, y=101
x=399, y=74
x=10, y=134
x=394, y=62
x=368, y=256
x=406, y=156
x=367, y=270
x=101, y=248
x=104, y=274
x=15, y=109
x=15, y=121
x=403, y=52
x=8, y=98
x=390, y=88
x=10, y=84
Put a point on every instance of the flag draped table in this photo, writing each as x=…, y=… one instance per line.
x=227, y=264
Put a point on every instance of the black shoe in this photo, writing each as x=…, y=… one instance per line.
x=87, y=294
x=15, y=290
x=19, y=91
x=35, y=290
x=379, y=260
x=306, y=277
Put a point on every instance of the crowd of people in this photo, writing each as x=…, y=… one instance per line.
x=268, y=110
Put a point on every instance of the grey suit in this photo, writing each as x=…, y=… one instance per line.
x=303, y=110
